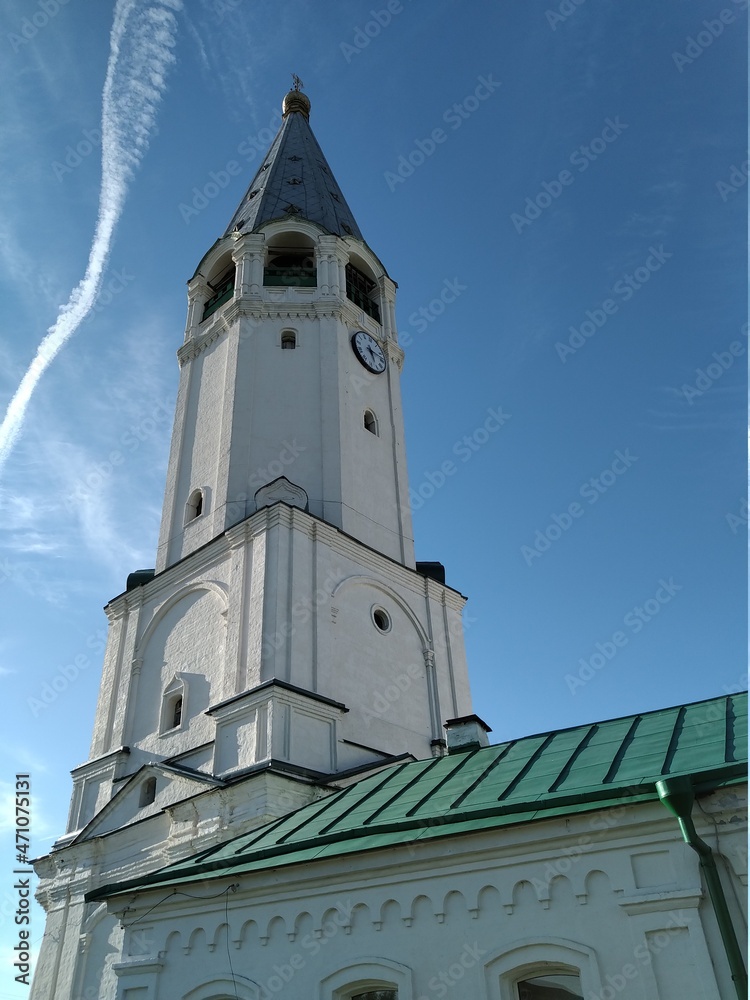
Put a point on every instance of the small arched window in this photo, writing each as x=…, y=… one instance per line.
x=148, y=792
x=194, y=506
x=288, y=340
x=173, y=705
x=371, y=422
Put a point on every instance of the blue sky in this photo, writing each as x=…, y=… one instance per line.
x=561, y=198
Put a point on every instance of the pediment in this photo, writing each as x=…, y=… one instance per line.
x=128, y=806
x=281, y=490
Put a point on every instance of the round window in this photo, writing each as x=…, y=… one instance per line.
x=381, y=619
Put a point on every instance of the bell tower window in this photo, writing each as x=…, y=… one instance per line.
x=288, y=340
x=290, y=266
x=359, y=289
x=223, y=290
x=371, y=422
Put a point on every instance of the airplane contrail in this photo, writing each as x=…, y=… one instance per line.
x=141, y=42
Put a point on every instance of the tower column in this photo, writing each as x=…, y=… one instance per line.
x=387, y=291
x=198, y=295
x=248, y=256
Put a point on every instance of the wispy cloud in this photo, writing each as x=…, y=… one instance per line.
x=141, y=43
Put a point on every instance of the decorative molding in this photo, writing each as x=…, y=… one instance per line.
x=284, y=490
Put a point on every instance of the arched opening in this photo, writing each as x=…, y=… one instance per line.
x=222, y=288
x=194, y=506
x=371, y=422
x=173, y=706
x=377, y=995
x=555, y=986
x=291, y=262
x=148, y=792
x=361, y=287
x=288, y=340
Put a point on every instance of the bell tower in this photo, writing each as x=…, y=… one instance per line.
x=286, y=628
x=290, y=370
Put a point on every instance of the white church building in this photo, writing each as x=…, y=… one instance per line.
x=287, y=793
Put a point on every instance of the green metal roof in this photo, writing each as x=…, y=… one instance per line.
x=556, y=773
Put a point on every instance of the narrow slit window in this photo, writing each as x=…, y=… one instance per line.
x=148, y=792
x=371, y=422
x=176, y=713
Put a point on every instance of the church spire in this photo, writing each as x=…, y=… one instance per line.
x=295, y=179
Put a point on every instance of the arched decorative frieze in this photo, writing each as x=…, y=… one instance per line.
x=527, y=957
x=276, y=930
x=248, y=935
x=597, y=883
x=172, y=944
x=220, y=937
x=422, y=909
x=522, y=894
x=197, y=940
x=333, y=921
x=454, y=905
x=390, y=912
x=489, y=900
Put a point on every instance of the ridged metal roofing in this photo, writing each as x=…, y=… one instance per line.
x=556, y=773
x=295, y=179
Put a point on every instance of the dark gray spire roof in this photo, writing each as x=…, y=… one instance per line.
x=295, y=180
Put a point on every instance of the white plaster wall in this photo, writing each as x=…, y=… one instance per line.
x=456, y=918
x=248, y=411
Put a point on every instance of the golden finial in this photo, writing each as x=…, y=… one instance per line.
x=295, y=100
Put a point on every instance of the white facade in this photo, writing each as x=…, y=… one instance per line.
x=611, y=895
x=289, y=644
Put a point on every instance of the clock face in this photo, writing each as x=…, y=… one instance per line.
x=369, y=352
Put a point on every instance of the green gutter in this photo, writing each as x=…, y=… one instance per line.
x=678, y=796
